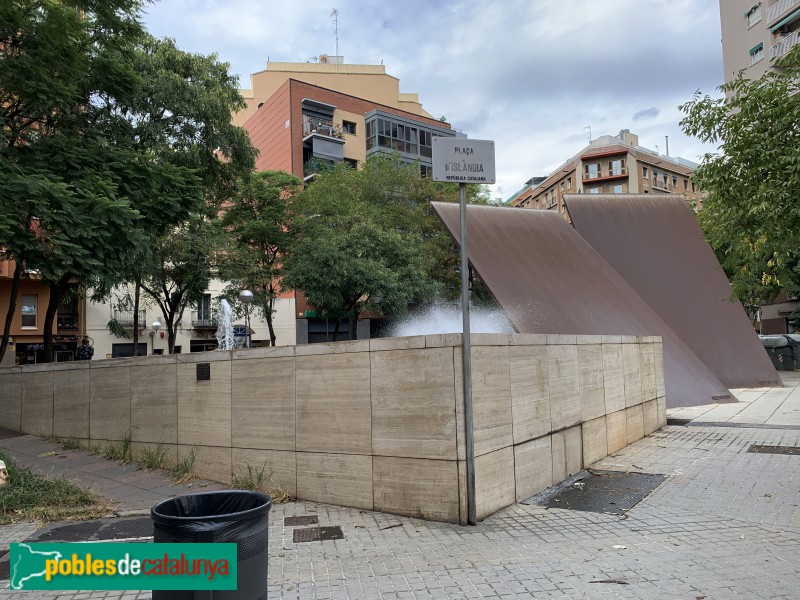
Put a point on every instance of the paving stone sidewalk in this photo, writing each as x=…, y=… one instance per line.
x=725, y=524
x=130, y=489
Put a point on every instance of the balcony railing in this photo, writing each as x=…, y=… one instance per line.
x=125, y=318
x=67, y=322
x=315, y=125
x=778, y=9
x=203, y=319
x=621, y=172
x=784, y=45
x=660, y=184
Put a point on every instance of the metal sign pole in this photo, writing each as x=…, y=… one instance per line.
x=466, y=354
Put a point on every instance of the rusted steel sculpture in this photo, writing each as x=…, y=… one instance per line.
x=548, y=279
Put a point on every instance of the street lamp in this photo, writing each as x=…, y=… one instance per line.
x=156, y=326
x=246, y=298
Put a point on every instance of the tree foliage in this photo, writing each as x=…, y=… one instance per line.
x=257, y=224
x=107, y=135
x=368, y=240
x=751, y=215
x=179, y=270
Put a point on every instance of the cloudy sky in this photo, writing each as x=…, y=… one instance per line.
x=532, y=75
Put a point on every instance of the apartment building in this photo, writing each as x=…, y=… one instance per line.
x=756, y=34
x=611, y=165
x=26, y=343
x=302, y=116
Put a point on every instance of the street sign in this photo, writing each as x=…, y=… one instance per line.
x=460, y=160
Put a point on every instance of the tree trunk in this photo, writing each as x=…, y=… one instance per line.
x=136, y=294
x=352, y=327
x=56, y=291
x=171, y=333
x=272, y=337
x=335, y=330
x=12, y=308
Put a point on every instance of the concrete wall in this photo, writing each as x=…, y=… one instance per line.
x=374, y=424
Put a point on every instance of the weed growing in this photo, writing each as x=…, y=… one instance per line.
x=30, y=497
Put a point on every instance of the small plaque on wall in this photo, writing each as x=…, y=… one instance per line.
x=203, y=371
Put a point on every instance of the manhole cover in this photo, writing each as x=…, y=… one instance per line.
x=300, y=520
x=761, y=449
x=611, y=492
x=317, y=534
x=93, y=531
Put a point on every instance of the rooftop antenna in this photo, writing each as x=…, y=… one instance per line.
x=667, y=141
x=335, y=15
x=589, y=127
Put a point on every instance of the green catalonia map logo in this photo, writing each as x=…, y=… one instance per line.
x=122, y=566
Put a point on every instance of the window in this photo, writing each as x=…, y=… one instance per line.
x=349, y=127
x=693, y=186
x=674, y=181
x=644, y=172
x=591, y=170
x=753, y=15
x=756, y=53
x=594, y=190
x=425, y=171
x=204, y=308
x=617, y=189
x=685, y=184
x=30, y=306
x=569, y=183
x=351, y=162
x=615, y=167
x=562, y=187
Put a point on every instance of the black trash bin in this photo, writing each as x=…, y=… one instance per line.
x=231, y=516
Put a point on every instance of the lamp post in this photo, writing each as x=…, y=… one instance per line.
x=246, y=298
x=156, y=326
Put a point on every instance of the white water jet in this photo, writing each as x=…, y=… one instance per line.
x=225, y=339
x=447, y=319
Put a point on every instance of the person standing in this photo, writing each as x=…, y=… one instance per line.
x=85, y=351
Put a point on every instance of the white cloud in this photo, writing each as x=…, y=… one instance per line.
x=529, y=74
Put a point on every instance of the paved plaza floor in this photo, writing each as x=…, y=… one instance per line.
x=724, y=524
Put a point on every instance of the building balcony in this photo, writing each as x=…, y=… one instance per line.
x=606, y=175
x=203, y=320
x=779, y=10
x=316, y=126
x=660, y=184
x=125, y=318
x=782, y=47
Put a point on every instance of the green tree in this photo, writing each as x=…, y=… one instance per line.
x=751, y=215
x=180, y=270
x=358, y=238
x=257, y=223
x=109, y=138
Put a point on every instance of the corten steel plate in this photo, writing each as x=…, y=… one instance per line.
x=96, y=530
x=656, y=244
x=317, y=534
x=300, y=520
x=548, y=279
x=786, y=450
x=610, y=492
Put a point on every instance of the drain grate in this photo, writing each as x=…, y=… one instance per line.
x=93, y=531
x=611, y=492
x=5, y=569
x=762, y=449
x=300, y=520
x=317, y=534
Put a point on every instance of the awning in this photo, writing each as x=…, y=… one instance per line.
x=795, y=15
